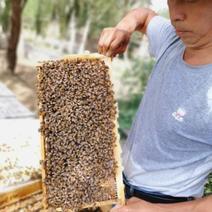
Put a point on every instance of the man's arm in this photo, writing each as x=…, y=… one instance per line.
x=138, y=205
x=115, y=40
x=136, y=20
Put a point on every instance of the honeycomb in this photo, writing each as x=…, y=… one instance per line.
x=81, y=152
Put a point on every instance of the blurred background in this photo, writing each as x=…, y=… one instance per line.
x=36, y=30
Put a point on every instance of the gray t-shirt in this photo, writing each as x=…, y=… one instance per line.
x=169, y=147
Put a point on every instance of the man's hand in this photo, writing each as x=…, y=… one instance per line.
x=136, y=205
x=113, y=41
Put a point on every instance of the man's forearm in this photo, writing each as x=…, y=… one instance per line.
x=136, y=20
x=199, y=205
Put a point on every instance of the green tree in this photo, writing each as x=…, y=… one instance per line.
x=99, y=14
x=5, y=15
x=91, y=16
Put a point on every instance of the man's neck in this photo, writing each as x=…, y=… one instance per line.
x=198, y=56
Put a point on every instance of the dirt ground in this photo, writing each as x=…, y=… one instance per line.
x=22, y=83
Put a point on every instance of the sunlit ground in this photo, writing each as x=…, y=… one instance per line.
x=20, y=152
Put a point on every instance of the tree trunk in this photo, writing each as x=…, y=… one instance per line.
x=84, y=36
x=72, y=34
x=15, y=29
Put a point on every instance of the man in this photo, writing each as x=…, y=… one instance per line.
x=168, y=154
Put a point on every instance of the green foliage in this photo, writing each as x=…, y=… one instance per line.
x=5, y=15
x=135, y=79
x=38, y=20
x=127, y=110
x=109, y=13
x=39, y=13
x=137, y=76
x=208, y=186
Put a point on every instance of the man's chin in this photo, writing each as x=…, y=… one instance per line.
x=189, y=42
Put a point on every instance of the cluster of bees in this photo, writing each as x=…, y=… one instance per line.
x=78, y=112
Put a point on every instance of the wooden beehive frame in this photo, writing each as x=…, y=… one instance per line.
x=19, y=192
x=117, y=149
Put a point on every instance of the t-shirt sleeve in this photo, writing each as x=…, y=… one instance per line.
x=161, y=34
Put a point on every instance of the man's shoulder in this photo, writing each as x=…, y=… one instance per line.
x=162, y=36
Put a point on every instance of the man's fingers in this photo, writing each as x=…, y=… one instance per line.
x=105, y=40
x=119, y=208
x=113, y=41
x=108, y=41
x=116, y=47
x=119, y=44
x=113, y=53
x=101, y=42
